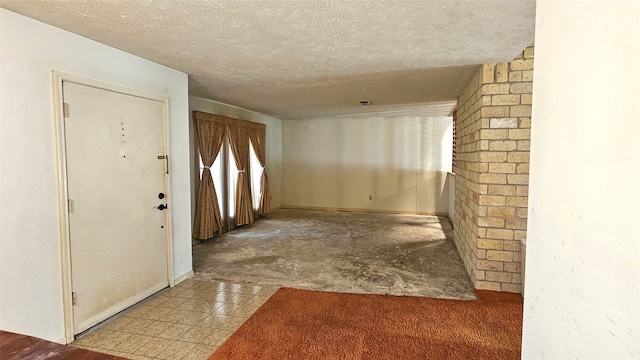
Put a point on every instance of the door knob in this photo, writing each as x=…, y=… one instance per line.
x=162, y=206
x=161, y=196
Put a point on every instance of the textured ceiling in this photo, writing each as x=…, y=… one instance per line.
x=300, y=59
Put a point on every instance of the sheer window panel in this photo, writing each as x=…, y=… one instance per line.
x=231, y=187
x=256, y=176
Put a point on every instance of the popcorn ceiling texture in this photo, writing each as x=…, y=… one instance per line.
x=299, y=59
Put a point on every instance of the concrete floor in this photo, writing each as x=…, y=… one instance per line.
x=340, y=251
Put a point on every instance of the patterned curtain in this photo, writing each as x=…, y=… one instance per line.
x=239, y=142
x=258, y=140
x=208, y=137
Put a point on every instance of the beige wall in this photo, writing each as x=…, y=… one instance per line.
x=31, y=268
x=395, y=164
x=274, y=144
x=493, y=138
x=582, y=293
x=451, y=185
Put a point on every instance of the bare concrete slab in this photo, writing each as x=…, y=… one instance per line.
x=395, y=254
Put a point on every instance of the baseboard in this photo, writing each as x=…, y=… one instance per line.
x=182, y=278
x=363, y=210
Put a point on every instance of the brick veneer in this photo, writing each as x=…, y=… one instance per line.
x=492, y=172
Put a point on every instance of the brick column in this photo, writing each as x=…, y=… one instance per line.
x=493, y=132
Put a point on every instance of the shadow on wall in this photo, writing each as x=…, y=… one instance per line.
x=450, y=186
x=362, y=187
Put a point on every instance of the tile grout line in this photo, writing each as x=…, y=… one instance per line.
x=242, y=303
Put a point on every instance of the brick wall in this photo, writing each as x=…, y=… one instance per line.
x=492, y=172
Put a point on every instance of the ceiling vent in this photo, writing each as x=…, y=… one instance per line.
x=365, y=102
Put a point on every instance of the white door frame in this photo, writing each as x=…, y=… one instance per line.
x=61, y=159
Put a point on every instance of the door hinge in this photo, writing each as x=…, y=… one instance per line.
x=70, y=206
x=74, y=299
x=65, y=109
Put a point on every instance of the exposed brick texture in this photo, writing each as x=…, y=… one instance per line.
x=493, y=130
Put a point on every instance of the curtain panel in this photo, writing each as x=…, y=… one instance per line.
x=208, y=137
x=239, y=142
x=239, y=133
x=258, y=140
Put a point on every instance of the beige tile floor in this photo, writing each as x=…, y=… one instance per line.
x=188, y=321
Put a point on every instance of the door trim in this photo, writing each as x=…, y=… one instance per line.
x=61, y=159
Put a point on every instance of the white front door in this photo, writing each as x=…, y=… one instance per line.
x=116, y=169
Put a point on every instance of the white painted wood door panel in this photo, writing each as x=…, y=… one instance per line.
x=117, y=234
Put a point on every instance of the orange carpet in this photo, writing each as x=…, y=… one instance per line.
x=301, y=324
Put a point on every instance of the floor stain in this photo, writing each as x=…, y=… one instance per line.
x=397, y=254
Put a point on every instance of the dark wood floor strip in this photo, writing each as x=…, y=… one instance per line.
x=21, y=347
